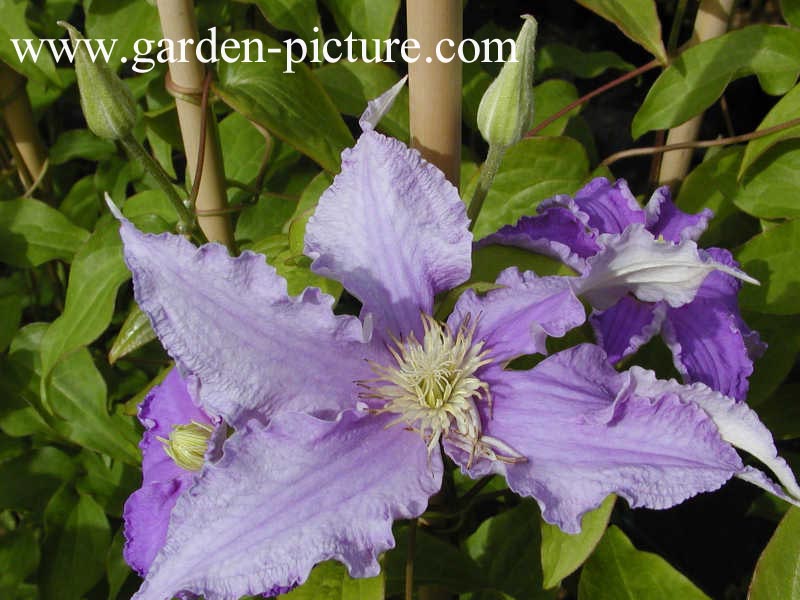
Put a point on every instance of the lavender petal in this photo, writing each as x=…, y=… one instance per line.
x=393, y=231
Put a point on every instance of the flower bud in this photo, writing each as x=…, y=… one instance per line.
x=506, y=110
x=107, y=103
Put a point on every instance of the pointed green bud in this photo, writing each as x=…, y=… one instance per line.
x=506, y=110
x=107, y=103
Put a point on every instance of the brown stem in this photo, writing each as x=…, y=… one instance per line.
x=584, y=99
x=746, y=137
x=435, y=87
x=199, y=132
x=29, y=151
x=711, y=21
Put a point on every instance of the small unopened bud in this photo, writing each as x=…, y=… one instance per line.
x=506, y=110
x=108, y=105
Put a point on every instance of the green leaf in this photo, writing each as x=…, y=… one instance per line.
x=791, y=12
x=618, y=571
x=777, y=573
x=32, y=233
x=245, y=148
x=19, y=557
x=561, y=58
x=489, y=261
x=11, y=298
x=695, y=80
x=532, y=170
x=109, y=482
x=151, y=211
x=76, y=398
x=351, y=85
x=781, y=412
x=117, y=570
x=14, y=26
x=772, y=184
x=125, y=20
x=297, y=16
x=772, y=259
x=293, y=266
x=782, y=335
x=550, y=97
x=786, y=109
x=293, y=106
x=436, y=563
x=330, y=581
x=563, y=553
x=134, y=333
x=97, y=272
x=507, y=548
x=366, y=19
x=712, y=184
x=36, y=476
x=80, y=143
x=77, y=539
x=264, y=218
x=638, y=19
x=82, y=203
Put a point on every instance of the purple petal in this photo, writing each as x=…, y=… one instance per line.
x=710, y=341
x=147, y=510
x=231, y=322
x=607, y=207
x=625, y=327
x=516, y=319
x=287, y=496
x=378, y=107
x=557, y=233
x=738, y=425
x=587, y=433
x=667, y=221
x=146, y=514
x=653, y=271
x=166, y=405
x=393, y=231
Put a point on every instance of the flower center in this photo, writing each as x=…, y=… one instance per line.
x=187, y=445
x=432, y=387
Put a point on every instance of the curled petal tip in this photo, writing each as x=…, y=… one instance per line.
x=113, y=207
x=379, y=106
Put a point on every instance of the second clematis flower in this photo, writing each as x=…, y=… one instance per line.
x=339, y=420
x=709, y=340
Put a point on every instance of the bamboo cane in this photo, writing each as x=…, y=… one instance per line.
x=711, y=21
x=435, y=86
x=21, y=126
x=178, y=22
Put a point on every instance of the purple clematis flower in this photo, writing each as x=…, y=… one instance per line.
x=338, y=420
x=173, y=448
x=709, y=340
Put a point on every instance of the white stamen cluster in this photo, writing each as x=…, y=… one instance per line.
x=433, y=389
x=187, y=445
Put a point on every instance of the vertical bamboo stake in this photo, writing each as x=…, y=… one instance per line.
x=178, y=22
x=711, y=21
x=18, y=117
x=435, y=87
x=435, y=109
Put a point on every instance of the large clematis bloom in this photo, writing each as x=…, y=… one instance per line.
x=338, y=420
x=709, y=340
